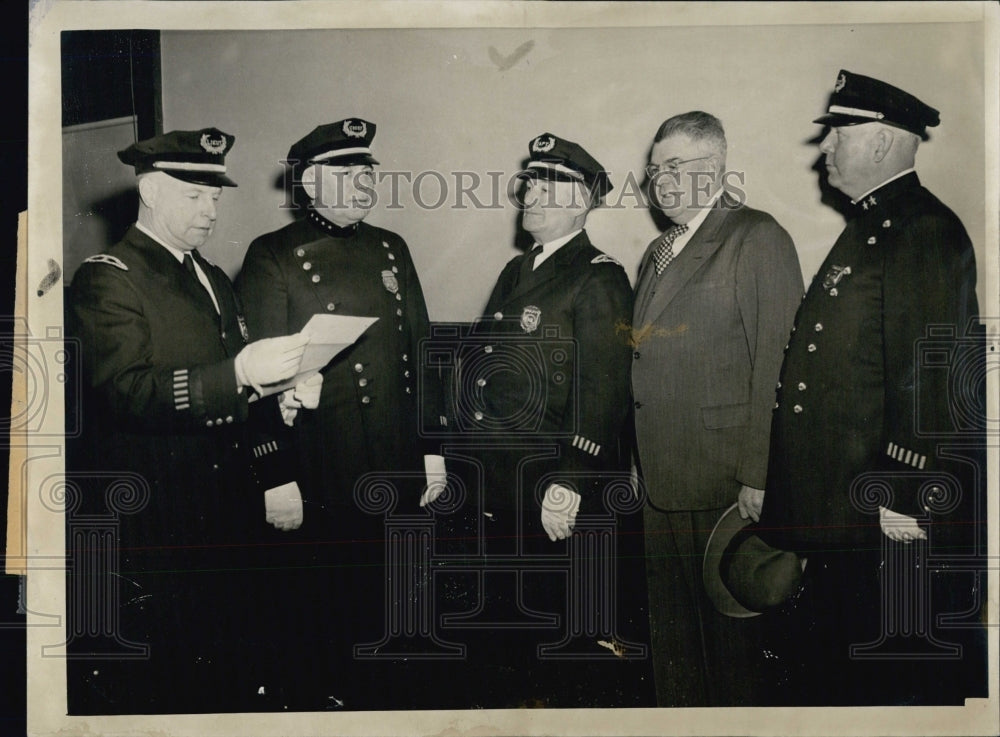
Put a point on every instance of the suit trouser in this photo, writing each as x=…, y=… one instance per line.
x=700, y=657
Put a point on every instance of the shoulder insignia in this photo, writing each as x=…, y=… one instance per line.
x=606, y=259
x=104, y=258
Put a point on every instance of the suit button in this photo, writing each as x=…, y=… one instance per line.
x=223, y=335
x=229, y=419
x=409, y=391
x=362, y=382
x=636, y=355
x=359, y=368
x=395, y=270
x=331, y=307
x=391, y=257
x=776, y=405
x=399, y=312
x=811, y=347
x=488, y=349
x=498, y=316
x=209, y=424
x=366, y=399
x=480, y=382
x=778, y=386
x=399, y=297
x=478, y=415
x=405, y=357
x=797, y=409
x=399, y=328
x=307, y=265
x=802, y=386
x=300, y=252
x=638, y=405
x=315, y=278
x=818, y=327
x=406, y=374
x=215, y=466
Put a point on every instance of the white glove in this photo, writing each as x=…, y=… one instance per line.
x=750, y=502
x=305, y=394
x=270, y=360
x=283, y=506
x=559, y=509
x=899, y=527
x=436, y=478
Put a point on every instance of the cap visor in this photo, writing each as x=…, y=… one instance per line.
x=207, y=179
x=835, y=120
x=349, y=160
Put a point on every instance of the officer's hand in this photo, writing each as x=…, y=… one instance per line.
x=283, y=506
x=750, y=502
x=559, y=509
x=899, y=527
x=436, y=478
x=270, y=360
x=305, y=394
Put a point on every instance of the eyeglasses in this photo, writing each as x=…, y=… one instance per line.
x=671, y=167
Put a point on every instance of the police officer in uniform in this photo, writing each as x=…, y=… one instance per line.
x=544, y=385
x=856, y=481
x=169, y=379
x=373, y=403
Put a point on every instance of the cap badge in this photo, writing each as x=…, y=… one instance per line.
x=355, y=128
x=841, y=83
x=542, y=144
x=530, y=318
x=389, y=282
x=833, y=277
x=213, y=145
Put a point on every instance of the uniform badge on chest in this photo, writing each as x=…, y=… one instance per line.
x=833, y=278
x=530, y=318
x=389, y=282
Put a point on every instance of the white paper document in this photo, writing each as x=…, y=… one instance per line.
x=328, y=336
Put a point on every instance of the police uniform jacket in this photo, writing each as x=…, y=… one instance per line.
x=865, y=392
x=161, y=398
x=373, y=396
x=549, y=364
x=709, y=333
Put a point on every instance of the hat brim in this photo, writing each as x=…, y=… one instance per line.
x=836, y=120
x=349, y=160
x=207, y=179
x=725, y=529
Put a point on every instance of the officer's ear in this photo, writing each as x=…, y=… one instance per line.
x=148, y=188
x=309, y=180
x=883, y=140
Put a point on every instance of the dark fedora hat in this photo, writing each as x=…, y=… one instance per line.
x=743, y=575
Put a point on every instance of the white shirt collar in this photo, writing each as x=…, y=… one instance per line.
x=890, y=179
x=552, y=246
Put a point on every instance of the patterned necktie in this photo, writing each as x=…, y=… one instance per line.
x=664, y=252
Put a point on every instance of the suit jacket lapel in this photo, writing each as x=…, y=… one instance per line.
x=695, y=254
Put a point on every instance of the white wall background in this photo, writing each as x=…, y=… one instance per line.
x=442, y=104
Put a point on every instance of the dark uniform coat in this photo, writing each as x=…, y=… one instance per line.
x=373, y=396
x=550, y=364
x=160, y=400
x=880, y=376
x=864, y=388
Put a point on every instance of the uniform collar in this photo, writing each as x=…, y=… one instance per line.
x=887, y=190
x=331, y=228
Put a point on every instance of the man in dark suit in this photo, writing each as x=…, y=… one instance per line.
x=544, y=393
x=715, y=299
x=169, y=378
x=879, y=374
x=372, y=410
